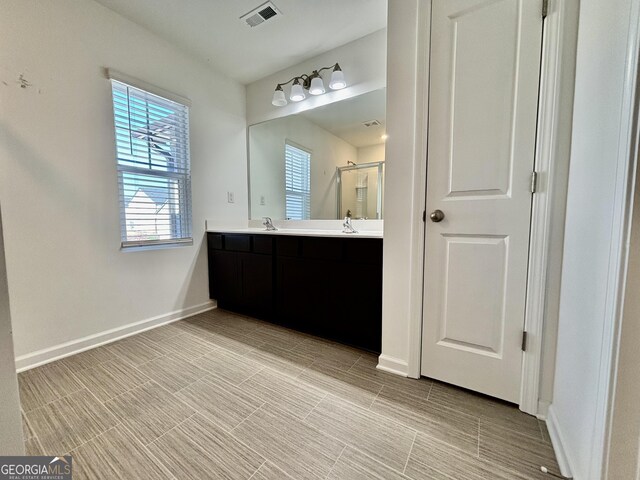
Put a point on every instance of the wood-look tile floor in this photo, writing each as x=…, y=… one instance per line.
x=220, y=395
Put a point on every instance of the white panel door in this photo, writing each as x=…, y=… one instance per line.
x=484, y=71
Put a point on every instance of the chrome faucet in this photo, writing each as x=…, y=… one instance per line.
x=347, y=226
x=266, y=221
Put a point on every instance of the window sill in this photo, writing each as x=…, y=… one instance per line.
x=156, y=246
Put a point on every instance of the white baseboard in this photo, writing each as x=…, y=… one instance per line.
x=558, y=442
x=543, y=409
x=393, y=365
x=47, y=355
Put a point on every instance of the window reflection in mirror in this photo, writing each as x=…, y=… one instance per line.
x=297, y=174
x=320, y=164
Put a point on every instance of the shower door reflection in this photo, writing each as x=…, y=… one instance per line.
x=360, y=191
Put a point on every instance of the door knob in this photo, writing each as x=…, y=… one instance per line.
x=436, y=216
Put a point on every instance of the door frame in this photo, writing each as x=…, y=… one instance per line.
x=623, y=215
x=551, y=185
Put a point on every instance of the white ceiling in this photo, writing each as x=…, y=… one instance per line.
x=344, y=119
x=212, y=29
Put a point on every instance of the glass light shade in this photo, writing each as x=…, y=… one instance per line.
x=297, y=93
x=317, y=86
x=279, y=100
x=337, y=80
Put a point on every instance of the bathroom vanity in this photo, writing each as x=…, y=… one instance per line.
x=308, y=170
x=324, y=283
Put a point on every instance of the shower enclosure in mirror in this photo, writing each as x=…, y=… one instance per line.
x=360, y=191
x=320, y=164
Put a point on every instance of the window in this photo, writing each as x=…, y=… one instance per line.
x=154, y=177
x=297, y=182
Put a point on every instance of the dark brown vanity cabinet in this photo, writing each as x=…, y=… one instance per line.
x=241, y=274
x=331, y=287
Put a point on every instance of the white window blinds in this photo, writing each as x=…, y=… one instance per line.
x=297, y=183
x=154, y=174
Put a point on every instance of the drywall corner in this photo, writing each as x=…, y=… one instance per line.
x=11, y=440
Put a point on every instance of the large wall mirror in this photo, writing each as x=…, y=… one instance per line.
x=320, y=164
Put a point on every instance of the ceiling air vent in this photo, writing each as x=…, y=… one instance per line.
x=371, y=123
x=259, y=15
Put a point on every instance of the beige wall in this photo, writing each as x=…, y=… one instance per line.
x=371, y=153
x=68, y=279
x=624, y=456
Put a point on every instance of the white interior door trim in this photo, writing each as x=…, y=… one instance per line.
x=627, y=168
x=545, y=157
x=543, y=202
x=420, y=179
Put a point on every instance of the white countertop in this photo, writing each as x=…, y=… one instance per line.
x=303, y=232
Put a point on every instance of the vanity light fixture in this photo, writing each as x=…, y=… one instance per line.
x=279, y=100
x=337, y=79
x=297, y=92
x=313, y=83
x=317, y=86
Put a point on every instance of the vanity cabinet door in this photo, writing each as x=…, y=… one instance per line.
x=256, y=277
x=241, y=281
x=361, y=306
x=307, y=295
x=224, y=281
x=296, y=306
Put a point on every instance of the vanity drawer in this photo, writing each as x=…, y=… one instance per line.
x=322, y=248
x=288, y=246
x=263, y=244
x=237, y=243
x=214, y=240
x=364, y=250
